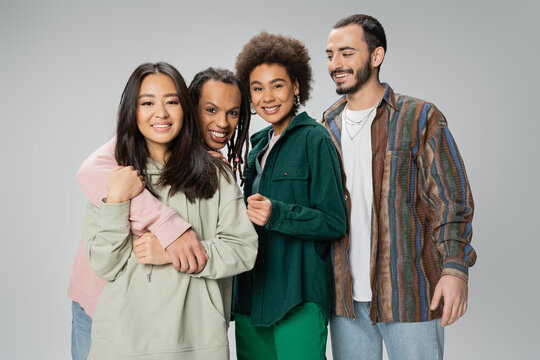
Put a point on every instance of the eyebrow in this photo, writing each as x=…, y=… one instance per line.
x=153, y=96
x=215, y=105
x=341, y=49
x=271, y=82
x=211, y=103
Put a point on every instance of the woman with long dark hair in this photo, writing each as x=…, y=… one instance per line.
x=223, y=111
x=153, y=310
x=295, y=197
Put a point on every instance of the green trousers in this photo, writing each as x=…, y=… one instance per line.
x=300, y=334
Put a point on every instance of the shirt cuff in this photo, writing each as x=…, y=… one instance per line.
x=457, y=270
x=275, y=215
x=113, y=215
x=171, y=229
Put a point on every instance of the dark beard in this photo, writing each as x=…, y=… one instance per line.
x=362, y=76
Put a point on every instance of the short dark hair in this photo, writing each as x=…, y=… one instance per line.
x=189, y=168
x=286, y=51
x=240, y=137
x=374, y=34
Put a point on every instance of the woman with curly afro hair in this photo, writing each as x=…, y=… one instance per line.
x=295, y=198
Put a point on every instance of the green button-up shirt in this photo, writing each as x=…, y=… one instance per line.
x=302, y=179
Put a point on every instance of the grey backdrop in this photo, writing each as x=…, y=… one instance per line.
x=63, y=68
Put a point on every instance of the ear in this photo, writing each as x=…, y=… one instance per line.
x=296, y=87
x=377, y=57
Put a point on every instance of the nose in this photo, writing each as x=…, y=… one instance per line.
x=221, y=120
x=334, y=63
x=161, y=110
x=268, y=96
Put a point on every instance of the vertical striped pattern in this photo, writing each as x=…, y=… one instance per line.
x=342, y=273
x=422, y=210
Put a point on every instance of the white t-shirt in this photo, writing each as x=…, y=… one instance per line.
x=271, y=144
x=356, y=148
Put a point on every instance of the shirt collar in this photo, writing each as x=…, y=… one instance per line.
x=153, y=167
x=338, y=106
x=298, y=120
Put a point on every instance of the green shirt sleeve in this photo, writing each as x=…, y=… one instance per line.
x=325, y=218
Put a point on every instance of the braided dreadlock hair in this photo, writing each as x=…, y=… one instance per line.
x=240, y=137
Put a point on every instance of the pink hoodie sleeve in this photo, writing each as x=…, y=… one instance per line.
x=146, y=212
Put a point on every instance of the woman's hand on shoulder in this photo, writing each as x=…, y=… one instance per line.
x=148, y=250
x=124, y=184
x=218, y=155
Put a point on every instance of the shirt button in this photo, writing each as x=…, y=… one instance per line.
x=286, y=173
x=346, y=197
x=270, y=226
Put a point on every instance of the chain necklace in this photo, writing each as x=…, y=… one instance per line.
x=360, y=123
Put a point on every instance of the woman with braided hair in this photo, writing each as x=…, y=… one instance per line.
x=223, y=116
x=148, y=309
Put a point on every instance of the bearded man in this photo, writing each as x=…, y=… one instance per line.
x=410, y=209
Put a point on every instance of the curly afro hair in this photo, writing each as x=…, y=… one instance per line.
x=278, y=49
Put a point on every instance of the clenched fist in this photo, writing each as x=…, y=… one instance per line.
x=259, y=209
x=124, y=184
x=148, y=250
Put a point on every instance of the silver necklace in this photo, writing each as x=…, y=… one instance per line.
x=359, y=124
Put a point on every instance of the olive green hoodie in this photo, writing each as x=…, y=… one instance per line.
x=156, y=312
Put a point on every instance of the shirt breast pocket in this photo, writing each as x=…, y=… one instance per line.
x=399, y=178
x=290, y=183
x=290, y=171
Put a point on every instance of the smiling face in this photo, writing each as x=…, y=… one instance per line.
x=219, y=111
x=159, y=114
x=272, y=94
x=349, y=59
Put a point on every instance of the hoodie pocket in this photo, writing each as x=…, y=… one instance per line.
x=205, y=323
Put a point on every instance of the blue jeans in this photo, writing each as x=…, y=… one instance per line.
x=81, y=327
x=359, y=339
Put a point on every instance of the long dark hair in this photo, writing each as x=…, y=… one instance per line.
x=189, y=168
x=240, y=137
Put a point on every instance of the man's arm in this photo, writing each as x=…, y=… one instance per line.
x=146, y=212
x=446, y=191
x=232, y=250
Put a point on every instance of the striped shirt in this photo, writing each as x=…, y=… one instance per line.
x=421, y=213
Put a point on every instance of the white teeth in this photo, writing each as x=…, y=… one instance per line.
x=218, y=134
x=341, y=75
x=271, y=109
x=161, y=126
